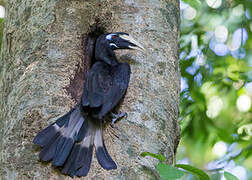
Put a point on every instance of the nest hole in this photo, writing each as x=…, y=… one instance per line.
x=88, y=59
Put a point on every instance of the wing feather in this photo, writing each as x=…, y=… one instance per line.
x=105, y=86
x=97, y=83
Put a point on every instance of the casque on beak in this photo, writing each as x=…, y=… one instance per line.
x=133, y=41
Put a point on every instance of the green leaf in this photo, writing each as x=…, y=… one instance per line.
x=157, y=156
x=230, y=176
x=201, y=174
x=168, y=172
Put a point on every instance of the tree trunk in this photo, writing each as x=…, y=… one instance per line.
x=43, y=64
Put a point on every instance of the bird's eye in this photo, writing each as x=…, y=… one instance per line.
x=114, y=37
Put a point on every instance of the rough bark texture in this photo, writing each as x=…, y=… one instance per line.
x=42, y=63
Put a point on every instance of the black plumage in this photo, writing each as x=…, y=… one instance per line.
x=70, y=140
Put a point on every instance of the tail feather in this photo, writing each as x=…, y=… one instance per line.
x=79, y=161
x=84, y=162
x=48, y=151
x=62, y=151
x=44, y=136
x=58, y=139
x=102, y=154
x=69, y=143
x=68, y=166
x=68, y=135
x=84, y=169
x=83, y=130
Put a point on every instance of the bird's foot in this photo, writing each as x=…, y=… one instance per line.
x=115, y=117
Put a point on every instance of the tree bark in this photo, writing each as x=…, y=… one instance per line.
x=43, y=65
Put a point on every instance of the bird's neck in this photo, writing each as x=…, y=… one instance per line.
x=106, y=55
x=111, y=60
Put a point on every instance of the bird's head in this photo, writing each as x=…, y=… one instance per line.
x=107, y=43
x=121, y=40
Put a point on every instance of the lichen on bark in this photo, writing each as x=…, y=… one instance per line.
x=41, y=58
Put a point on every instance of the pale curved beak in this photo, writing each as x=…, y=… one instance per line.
x=133, y=41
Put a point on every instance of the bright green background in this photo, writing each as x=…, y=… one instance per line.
x=224, y=77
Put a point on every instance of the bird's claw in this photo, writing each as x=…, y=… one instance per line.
x=115, y=117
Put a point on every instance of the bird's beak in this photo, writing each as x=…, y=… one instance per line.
x=133, y=41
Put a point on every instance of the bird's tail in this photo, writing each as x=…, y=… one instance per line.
x=69, y=143
x=58, y=139
x=79, y=161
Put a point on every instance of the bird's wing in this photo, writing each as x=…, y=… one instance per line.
x=105, y=85
x=120, y=82
x=97, y=84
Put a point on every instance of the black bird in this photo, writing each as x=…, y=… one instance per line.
x=69, y=141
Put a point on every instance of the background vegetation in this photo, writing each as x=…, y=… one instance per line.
x=216, y=88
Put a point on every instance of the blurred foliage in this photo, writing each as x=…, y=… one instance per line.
x=212, y=83
x=229, y=176
x=171, y=172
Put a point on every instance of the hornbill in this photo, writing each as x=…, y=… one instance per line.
x=69, y=141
